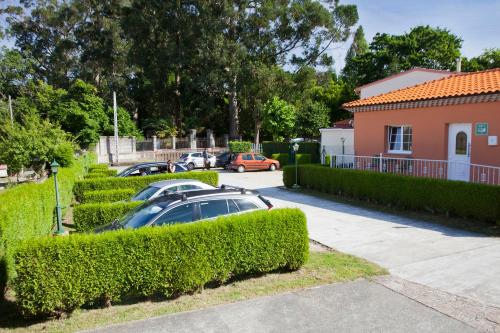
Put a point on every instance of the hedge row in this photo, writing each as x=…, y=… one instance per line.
x=284, y=158
x=107, y=195
x=27, y=211
x=102, y=173
x=98, y=167
x=87, y=217
x=240, y=146
x=137, y=183
x=64, y=273
x=312, y=148
x=455, y=198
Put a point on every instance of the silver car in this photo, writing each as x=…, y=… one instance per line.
x=164, y=187
x=195, y=160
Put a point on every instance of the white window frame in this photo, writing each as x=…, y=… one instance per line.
x=399, y=151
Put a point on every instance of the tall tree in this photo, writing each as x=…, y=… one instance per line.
x=489, y=59
x=359, y=45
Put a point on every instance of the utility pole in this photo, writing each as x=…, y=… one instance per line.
x=115, y=116
x=10, y=110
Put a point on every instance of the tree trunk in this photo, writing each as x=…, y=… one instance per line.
x=257, y=132
x=234, y=121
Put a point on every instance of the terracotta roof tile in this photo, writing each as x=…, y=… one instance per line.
x=460, y=84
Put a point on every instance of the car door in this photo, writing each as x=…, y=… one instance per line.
x=260, y=162
x=197, y=160
x=183, y=213
x=248, y=161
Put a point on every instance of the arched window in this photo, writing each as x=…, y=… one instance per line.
x=461, y=143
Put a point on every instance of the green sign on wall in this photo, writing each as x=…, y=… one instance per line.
x=481, y=129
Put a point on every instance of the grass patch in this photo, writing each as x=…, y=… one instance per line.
x=323, y=267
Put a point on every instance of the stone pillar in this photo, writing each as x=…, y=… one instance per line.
x=134, y=144
x=210, y=139
x=192, y=138
x=174, y=142
x=226, y=140
x=155, y=143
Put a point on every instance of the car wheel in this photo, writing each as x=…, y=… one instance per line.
x=272, y=167
x=190, y=166
x=241, y=169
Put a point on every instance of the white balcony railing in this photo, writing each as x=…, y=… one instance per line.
x=441, y=169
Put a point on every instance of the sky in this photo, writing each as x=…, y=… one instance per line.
x=477, y=22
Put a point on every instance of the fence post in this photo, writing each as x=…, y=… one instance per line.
x=226, y=140
x=192, y=138
x=380, y=163
x=173, y=141
x=155, y=143
x=210, y=139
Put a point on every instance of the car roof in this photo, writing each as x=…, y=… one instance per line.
x=164, y=183
x=202, y=194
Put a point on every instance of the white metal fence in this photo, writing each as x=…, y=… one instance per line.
x=441, y=169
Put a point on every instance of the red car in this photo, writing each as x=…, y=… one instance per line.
x=251, y=161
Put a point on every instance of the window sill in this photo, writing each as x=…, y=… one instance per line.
x=400, y=152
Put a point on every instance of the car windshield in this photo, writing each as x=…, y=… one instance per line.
x=127, y=170
x=184, y=156
x=145, y=193
x=142, y=214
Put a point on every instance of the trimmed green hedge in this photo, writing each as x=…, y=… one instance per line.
x=98, y=167
x=107, y=195
x=27, y=211
x=283, y=158
x=455, y=198
x=240, y=146
x=88, y=216
x=102, y=173
x=312, y=148
x=64, y=273
x=137, y=183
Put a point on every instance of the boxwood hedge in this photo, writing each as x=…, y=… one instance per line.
x=88, y=216
x=137, y=183
x=455, y=198
x=240, y=147
x=64, y=273
x=107, y=195
x=98, y=167
x=284, y=158
x=102, y=173
x=27, y=211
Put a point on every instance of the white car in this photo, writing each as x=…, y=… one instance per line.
x=195, y=160
x=164, y=187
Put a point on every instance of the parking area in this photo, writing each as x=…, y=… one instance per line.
x=456, y=261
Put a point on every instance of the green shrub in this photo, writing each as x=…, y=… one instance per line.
x=455, y=198
x=240, y=146
x=101, y=173
x=87, y=217
x=137, y=183
x=98, y=167
x=64, y=273
x=64, y=154
x=312, y=148
x=284, y=158
x=107, y=195
x=27, y=211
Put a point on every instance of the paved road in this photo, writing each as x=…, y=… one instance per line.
x=455, y=261
x=358, y=306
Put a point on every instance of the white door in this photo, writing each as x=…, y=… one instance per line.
x=459, y=142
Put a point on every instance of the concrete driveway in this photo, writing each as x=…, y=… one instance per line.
x=456, y=261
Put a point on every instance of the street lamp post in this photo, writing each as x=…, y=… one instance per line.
x=55, y=168
x=296, y=149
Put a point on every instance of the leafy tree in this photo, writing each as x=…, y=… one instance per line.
x=15, y=70
x=311, y=117
x=489, y=59
x=423, y=46
x=359, y=45
x=279, y=118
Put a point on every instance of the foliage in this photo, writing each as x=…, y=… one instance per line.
x=456, y=198
x=279, y=118
x=33, y=144
x=137, y=183
x=240, y=146
x=87, y=217
x=423, y=46
x=310, y=148
x=284, y=158
x=107, y=195
x=98, y=167
x=64, y=273
x=27, y=211
x=15, y=70
x=311, y=117
x=95, y=173
x=489, y=59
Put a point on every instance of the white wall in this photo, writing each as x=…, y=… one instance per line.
x=403, y=80
x=331, y=139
